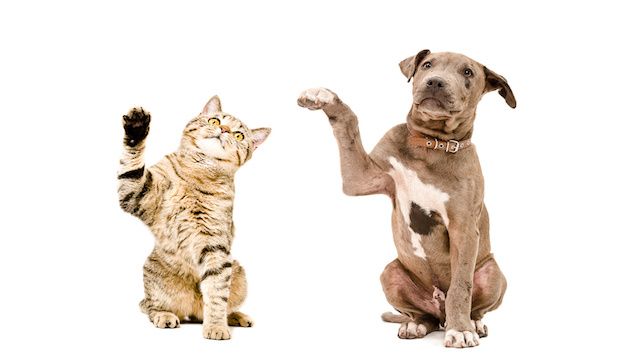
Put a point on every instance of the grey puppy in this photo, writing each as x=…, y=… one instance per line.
x=445, y=274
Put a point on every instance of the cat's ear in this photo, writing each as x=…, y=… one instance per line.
x=212, y=106
x=258, y=135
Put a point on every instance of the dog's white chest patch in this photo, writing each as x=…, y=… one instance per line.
x=420, y=203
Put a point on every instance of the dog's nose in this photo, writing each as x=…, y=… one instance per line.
x=225, y=129
x=436, y=83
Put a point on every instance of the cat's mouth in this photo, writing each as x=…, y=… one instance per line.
x=218, y=140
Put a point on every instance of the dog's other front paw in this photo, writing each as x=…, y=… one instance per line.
x=316, y=98
x=461, y=339
x=136, y=126
x=216, y=332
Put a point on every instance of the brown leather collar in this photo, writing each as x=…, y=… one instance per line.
x=450, y=146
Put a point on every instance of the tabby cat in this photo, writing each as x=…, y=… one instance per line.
x=186, y=199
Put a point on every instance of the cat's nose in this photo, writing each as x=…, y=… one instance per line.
x=225, y=129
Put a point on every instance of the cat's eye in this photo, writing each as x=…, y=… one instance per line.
x=239, y=136
x=214, y=121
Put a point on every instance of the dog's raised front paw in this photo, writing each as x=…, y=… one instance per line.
x=316, y=98
x=216, y=332
x=457, y=339
x=136, y=126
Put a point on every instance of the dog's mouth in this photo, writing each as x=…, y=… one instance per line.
x=433, y=104
x=437, y=105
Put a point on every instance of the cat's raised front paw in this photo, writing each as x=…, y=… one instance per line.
x=136, y=126
x=316, y=98
x=216, y=332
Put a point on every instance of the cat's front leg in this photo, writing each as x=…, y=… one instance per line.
x=215, y=269
x=136, y=183
x=360, y=174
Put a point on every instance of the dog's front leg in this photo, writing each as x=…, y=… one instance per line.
x=463, y=240
x=360, y=175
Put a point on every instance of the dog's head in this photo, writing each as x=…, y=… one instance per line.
x=446, y=90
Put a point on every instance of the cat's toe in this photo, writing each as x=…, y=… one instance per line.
x=136, y=126
x=137, y=117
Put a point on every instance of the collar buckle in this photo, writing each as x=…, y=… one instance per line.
x=452, y=146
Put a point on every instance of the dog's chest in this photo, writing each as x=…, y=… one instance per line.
x=422, y=205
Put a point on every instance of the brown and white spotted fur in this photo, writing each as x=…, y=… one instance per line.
x=445, y=273
x=186, y=199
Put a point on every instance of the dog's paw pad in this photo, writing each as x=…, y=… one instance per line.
x=316, y=98
x=463, y=339
x=166, y=320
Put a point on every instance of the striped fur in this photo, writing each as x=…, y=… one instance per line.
x=186, y=199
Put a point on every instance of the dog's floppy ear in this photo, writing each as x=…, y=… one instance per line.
x=409, y=65
x=493, y=81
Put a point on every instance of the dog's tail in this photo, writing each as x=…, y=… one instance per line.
x=394, y=318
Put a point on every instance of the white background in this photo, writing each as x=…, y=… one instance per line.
x=560, y=169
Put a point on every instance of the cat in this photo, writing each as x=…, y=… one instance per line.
x=186, y=199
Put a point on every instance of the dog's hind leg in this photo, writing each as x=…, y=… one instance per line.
x=421, y=313
x=489, y=285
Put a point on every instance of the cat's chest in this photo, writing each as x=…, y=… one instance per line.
x=191, y=212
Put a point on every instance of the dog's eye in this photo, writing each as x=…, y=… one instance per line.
x=214, y=121
x=468, y=72
x=239, y=136
x=426, y=65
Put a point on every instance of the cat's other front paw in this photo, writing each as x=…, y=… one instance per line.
x=317, y=98
x=136, y=126
x=239, y=319
x=216, y=332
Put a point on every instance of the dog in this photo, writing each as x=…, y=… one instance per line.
x=445, y=276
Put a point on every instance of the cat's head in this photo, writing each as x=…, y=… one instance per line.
x=216, y=137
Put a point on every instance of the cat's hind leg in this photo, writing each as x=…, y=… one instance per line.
x=168, y=298
x=237, y=295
